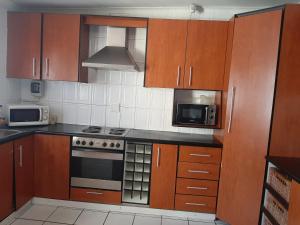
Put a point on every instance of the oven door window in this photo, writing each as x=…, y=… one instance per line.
x=94, y=168
x=25, y=115
x=191, y=114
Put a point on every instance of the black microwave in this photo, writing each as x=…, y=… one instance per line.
x=195, y=115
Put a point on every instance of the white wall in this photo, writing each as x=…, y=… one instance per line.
x=9, y=88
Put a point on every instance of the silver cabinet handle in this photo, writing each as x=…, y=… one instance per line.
x=47, y=67
x=200, y=155
x=158, y=157
x=196, y=204
x=197, y=188
x=33, y=67
x=94, y=193
x=198, y=171
x=191, y=76
x=21, y=156
x=231, y=110
x=178, y=75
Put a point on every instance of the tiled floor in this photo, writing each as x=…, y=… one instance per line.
x=51, y=215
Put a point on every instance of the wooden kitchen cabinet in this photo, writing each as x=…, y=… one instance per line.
x=24, y=170
x=248, y=118
x=47, y=46
x=205, y=54
x=6, y=180
x=186, y=54
x=163, y=176
x=62, y=55
x=24, y=31
x=166, y=45
x=52, y=165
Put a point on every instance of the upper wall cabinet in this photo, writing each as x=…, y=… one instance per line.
x=165, y=53
x=61, y=39
x=24, y=45
x=186, y=54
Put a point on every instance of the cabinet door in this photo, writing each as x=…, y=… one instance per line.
x=24, y=45
x=6, y=180
x=166, y=47
x=52, y=163
x=163, y=176
x=205, y=56
x=248, y=119
x=61, y=34
x=24, y=170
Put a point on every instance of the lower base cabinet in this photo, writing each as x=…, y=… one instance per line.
x=52, y=166
x=96, y=196
x=195, y=203
x=24, y=170
x=163, y=176
x=6, y=180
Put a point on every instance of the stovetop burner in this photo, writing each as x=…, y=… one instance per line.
x=105, y=131
x=92, y=129
x=117, y=131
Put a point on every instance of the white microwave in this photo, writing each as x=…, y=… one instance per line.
x=27, y=115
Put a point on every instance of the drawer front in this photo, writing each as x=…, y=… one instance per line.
x=198, y=171
x=195, y=203
x=200, y=154
x=95, y=195
x=196, y=187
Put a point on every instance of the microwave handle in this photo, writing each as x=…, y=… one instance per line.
x=206, y=114
x=41, y=115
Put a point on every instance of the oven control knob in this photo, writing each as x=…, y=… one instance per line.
x=112, y=145
x=91, y=143
x=118, y=145
x=83, y=143
x=77, y=142
x=104, y=144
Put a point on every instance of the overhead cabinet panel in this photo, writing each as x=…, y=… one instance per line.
x=186, y=54
x=165, y=58
x=24, y=32
x=116, y=21
x=205, y=54
x=61, y=36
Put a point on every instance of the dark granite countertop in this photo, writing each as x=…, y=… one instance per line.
x=133, y=134
x=289, y=166
x=173, y=138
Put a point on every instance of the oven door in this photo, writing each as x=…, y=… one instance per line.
x=97, y=169
x=191, y=114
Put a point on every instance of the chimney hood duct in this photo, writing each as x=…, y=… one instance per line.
x=115, y=55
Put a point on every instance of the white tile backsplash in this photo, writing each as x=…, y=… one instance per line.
x=112, y=98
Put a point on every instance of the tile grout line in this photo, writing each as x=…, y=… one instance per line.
x=106, y=218
x=78, y=216
x=46, y=220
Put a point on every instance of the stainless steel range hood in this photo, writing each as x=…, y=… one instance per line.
x=115, y=55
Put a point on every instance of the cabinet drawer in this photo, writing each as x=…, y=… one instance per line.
x=200, y=154
x=195, y=203
x=198, y=171
x=196, y=187
x=95, y=195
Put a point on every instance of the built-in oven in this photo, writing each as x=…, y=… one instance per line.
x=97, y=163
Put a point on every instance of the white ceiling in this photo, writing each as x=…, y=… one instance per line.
x=149, y=3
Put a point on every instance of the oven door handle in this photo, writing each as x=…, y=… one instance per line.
x=96, y=155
